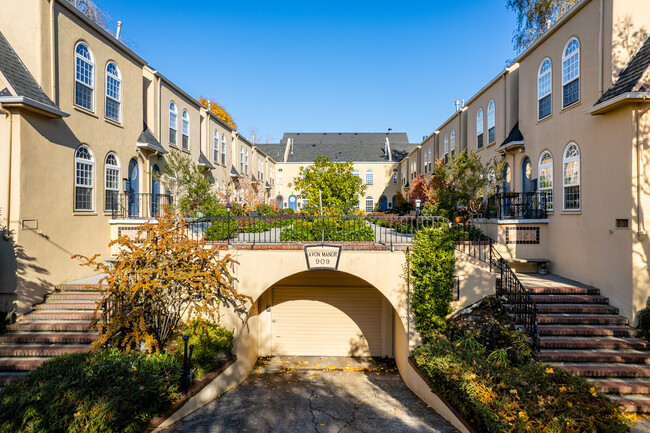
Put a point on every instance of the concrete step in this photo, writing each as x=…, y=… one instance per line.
x=77, y=288
x=66, y=305
x=595, y=356
x=581, y=319
x=592, y=343
x=49, y=338
x=576, y=309
x=51, y=326
x=622, y=386
x=587, y=331
x=602, y=370
x=562, y=291
x=7, y=377
x=40, y=350
x=632, y=403
x=52, y=315
x=569, y=299
x=75, y=296
x=21, y=364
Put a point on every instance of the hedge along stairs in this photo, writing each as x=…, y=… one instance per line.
x=59, y=325
x=580, y=332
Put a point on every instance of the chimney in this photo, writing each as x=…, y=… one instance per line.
x=456, y=105
x=462, y=103
x=119, y=29
x=390, y=130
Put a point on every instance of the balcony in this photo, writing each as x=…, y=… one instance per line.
x=137, y=206
x=517, y=205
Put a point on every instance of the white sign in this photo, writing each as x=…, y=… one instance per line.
x=322, y=256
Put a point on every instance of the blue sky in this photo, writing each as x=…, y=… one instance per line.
x=323, y=66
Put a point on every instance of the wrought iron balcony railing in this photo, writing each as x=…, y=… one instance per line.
x=517, y=205
x=137, y=206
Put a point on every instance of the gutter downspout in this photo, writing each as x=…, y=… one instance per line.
x=641, y=233
x=6, y=235
x=52, y=55
x=600, y=49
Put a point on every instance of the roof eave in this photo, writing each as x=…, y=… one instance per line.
x=32, y=105
x=618, y=101
x=149, y=147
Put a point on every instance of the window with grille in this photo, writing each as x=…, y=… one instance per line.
x=84, y=179
x=545, y=173
x=370, y=204
x=491, y=122
x=84, y=77
x=111, y=182
x=544, y=80
x=173, y=123
x=571, y=177
x=370, y=177
x=571, y=73
x=479, y=129
x=113, y=92
x=186, y=130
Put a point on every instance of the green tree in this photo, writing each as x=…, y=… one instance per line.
x=534, y=17
x=340, y=188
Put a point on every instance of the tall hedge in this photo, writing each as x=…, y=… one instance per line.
x=430, y=269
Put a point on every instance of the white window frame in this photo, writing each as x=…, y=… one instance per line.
x=185, y=131
x=115, y=171
x=246, y=162
x=479, y=129
x=78, y=174
x=279, y=176
x=241, y=159
x=546, y=167
x=565, y=184
x=370, y=204
x=430, y=159
x=425, y=161
x=491, y=123
x=223, y=149
x=395, y=176
x=89, y=61
x=452, y=143
x=568, y=80
x=547, y=77
x=173, y=124
x=370, y=177
x=356, y=173
x=117, y=84
x=215, y=144
x=446, y=147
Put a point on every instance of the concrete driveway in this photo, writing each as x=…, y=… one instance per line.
x=320, y=395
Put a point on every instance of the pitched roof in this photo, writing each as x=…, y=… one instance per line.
x=148, y=140
x=341, y=146
x=234, y=172
x=204, y=162
x=515, y=138
x=630, y=78
x=20, y=79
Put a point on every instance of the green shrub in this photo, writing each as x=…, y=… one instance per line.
x=256, y=227
x=107, y=391
x=212, y=346
x=219, y=229
x=264, y=210
x=336, y=229
x=286, y=211
x=431, y=273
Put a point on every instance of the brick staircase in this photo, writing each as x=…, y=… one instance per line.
x=581, y=333
x=59, y=325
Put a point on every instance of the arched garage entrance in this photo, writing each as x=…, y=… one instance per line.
x=325, y=313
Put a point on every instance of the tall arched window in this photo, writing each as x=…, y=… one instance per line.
x=370, y=177
x=84, y=178
x=223, y=149
x=544, y=80
x=491, y=122
x=246, y=162
x=215, y=145
x=186, y=130
x=430, y=154
x=545, y=173
x=452, y=145
x=280, y=176
x=173, y=123
x=111, y=182
x=571, y=73
x=113, y=92
x=571, y=177
x=479, y=129
x=241, y=159
x=425, y=161
x=446, y=148
x=370, y=204
x=84, y=77
x=395, y=176
x=355, y=172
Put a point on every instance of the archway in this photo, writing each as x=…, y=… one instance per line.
x=383, y=203
x=293, y=204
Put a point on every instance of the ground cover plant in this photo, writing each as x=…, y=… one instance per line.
x=483, y=366
x=212, y=345
x=332, y=228
x=109, y=391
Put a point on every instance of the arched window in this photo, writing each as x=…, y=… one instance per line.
x=246, y=162
x=370, y=204
x=571, y=177
x=452, y=146
x=186, y=130
x=370, y=177
x=355, y=172
x=545, y=173
x=446, y=148
x=241, y=159
x=491, y=122
x=173, y=123
x=479, y=129
x=223, y=149
x=430, y=153
x=544, y=80
x=280, y=177
x=357, y=204
x=215, y=145
x=395, y=176
x=425, y=161
x=111, y=182
x=84, y=77
x=113, y=92
x=571, y=73
x=84, y=178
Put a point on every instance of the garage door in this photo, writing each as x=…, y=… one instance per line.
x=326, y=321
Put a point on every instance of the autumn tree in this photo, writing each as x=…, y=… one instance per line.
x=160, y=277
x=250, y=194
x=338, y=186
x=534, y=17
x=218, y=110
x=418, y=191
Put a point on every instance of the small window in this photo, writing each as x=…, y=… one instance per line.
x=395, y=176
x=113, y=92
x=571, y=177
x=186, y=130
x=452, y=146
x=479, y=129
x=173, y=123
x=111, y=182
x=84, y=179
x=545, y=173
x=622, y=223
x=544, y=80
x=84, y=77
x=370, y=177
x=491, y=123
x=215, y=145
x=223, y=149
x=571, y=73
x=370, y=204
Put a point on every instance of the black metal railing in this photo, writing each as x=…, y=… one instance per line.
x=517, y=205
x=138, y=206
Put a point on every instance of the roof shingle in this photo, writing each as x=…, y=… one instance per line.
x=629, y=80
